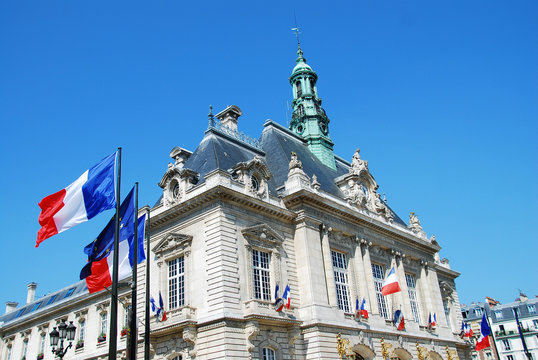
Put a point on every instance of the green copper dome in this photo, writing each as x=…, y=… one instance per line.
x=302, y=67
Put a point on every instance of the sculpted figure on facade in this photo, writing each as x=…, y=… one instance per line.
x=414, y=225
x=357, y=164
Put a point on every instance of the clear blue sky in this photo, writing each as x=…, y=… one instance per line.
x=441, y=97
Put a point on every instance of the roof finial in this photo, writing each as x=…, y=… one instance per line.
x=210, y=117
x=296, y=29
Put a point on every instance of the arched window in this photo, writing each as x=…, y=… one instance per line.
x=312, y=88
x=268, y=354
x=299, y=88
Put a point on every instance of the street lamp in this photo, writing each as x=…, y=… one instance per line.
x=64, y=332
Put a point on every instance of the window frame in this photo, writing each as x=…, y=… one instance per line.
x=266, y=356
x=262, y=238
x=177, y=299
x=378, y=284
x=170, y=248
x=411, y=281
x=341, y=280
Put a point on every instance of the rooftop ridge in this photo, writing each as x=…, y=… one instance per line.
x=217, y=126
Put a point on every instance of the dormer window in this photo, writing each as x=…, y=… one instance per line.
x=175, y=190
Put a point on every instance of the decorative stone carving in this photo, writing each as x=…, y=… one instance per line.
x=446, y=290
x=264, y=233
x=357, y=164
x=189, y=336
x=297, y=179
x=252, y=329
x=414, y=225
x=254, y=175
x=173, y=243
x=315, y=183
x=177, y=180
x=433, y=240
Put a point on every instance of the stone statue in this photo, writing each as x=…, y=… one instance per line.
x=294, y=163
x=414, y=222
x=357, y=164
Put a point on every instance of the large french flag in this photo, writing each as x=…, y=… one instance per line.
x=390, y=285
x=92, y=193
x=485, y=330
x=99, y=269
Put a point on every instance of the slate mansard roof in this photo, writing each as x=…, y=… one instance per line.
x=221, y=151
x=46, y=302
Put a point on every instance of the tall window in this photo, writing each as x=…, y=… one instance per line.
x=478, y=312
x=176, y=283
x=104, y=323
x=412, y=290
x=498, y=314
x=340, y=278
x=8, y=352
x=518, y=313
x=509, y=357
x=379, y=275
x=82, y=330
x=531, y=309
x=447, y=313
x=262, y=283
x=299, y=89
x=506, y=344
x=268, y=354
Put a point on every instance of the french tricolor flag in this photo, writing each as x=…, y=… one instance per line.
x=287, y=297
x=390, y=285
x=485, y=330
x=92, y=193
x=98, y=271
x=364, y=312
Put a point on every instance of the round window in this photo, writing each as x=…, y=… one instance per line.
x=255, y=183
x=175, y=190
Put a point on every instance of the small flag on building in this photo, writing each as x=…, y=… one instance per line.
x=466, y=330
x=364, y=312
x=279, y=302
x=399, y=321
x=287, y=296
x=432, y=320
x=390, y=285
x=161, y=314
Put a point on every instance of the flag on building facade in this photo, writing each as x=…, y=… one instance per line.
x=160, y=312
x=399, y=321
x=466, y=330
x=485, y=330
x=98, y=271
x=390, y=285
x=279, y=302
x=92, y=193
x=364, y=312
x=287, y=297
x=357, y=309
x=432, y=320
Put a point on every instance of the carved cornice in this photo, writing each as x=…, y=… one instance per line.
x=264, y=233
x=215, y=194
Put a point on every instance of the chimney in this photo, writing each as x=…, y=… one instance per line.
x=228, y=117
x=31, y=292
x=10, y=306
x=522, y=296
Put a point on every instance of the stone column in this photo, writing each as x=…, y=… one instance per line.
x=425, y=291
x=310, y=275
x=328, y=265
x=406, y=302
x=437, y=299
x=361, y=274
x=371, y=300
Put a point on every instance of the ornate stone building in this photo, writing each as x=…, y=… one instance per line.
x=239, y=216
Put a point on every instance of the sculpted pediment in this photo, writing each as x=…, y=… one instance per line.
x=172, y=242
x=264, y=233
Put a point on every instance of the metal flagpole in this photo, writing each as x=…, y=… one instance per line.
x=133, y=329
x=113, y=333
x=491, y=329
x=521, y=335
x=146, y=325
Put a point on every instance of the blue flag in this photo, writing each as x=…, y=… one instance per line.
x=97, y=271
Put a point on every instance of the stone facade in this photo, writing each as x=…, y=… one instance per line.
x=240, y=216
